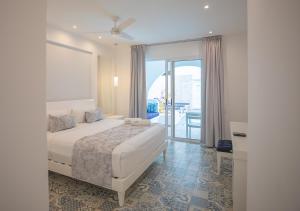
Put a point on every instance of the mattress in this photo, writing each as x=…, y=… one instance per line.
x=126, y=157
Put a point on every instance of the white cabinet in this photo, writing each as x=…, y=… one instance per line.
x=239, y=177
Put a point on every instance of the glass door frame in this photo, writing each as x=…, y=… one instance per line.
x=170, y=69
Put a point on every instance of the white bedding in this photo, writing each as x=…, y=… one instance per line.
x=125, y=157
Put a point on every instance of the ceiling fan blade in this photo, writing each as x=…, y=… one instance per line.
x=125, y=36
x=126, y=24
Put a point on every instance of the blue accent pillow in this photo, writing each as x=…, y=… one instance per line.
x=152, y=106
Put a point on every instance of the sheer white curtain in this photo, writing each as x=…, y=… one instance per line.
x=138, y=92
x=212, y=91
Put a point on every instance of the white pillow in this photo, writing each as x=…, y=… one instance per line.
x=57, y=113
x=93, y=116
x=58, y=123
x=79, y=115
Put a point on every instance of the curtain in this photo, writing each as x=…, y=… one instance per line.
x=212, y=102
x=138, y=92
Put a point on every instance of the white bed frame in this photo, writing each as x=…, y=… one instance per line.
x=118, y=184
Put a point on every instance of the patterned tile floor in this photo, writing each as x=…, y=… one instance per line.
x=185, y=181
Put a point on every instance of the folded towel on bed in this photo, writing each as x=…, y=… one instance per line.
x=130, y=120
x=143, y=122
x=137, y=121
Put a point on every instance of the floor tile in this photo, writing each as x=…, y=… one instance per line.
x=186, y=181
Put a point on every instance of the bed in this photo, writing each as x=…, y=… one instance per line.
x=128, y=159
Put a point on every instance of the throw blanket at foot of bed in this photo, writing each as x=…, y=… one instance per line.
x=92, y=155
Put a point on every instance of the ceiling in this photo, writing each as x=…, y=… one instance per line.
x=155, y=20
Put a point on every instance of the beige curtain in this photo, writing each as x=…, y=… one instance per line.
x=138, y=92
x=212, y=91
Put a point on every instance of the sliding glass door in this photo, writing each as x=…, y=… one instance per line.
x=174, y=91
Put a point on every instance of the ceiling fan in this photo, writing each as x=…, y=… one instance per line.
x=118, y=28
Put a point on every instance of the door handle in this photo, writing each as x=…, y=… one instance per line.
x=167, y=102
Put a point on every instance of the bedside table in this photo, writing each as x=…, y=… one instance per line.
x=115, y=117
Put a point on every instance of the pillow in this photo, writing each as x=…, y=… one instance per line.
x=58, y=123
x=79, y=115
x=152, y=106
x=93, y=116
x=59, y=112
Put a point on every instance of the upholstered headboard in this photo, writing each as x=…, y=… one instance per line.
x=85, y=104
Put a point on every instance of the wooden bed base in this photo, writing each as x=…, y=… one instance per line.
x=118, y=184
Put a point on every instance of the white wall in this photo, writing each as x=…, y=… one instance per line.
x=105, y=85
x=98, y=51
x=23, y=150
x=274, y=103
x=235, y=79
x=123, y=64
x=115, y=100
x=107, y=61
x=68, y=73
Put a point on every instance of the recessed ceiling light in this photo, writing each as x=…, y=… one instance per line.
x=74, y=27
x=99, y=37
x=210, y=32
x=206, y=6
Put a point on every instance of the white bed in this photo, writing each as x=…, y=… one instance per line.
x=125, y=157
x=129, y=159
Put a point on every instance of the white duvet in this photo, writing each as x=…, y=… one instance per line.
x=125, y=157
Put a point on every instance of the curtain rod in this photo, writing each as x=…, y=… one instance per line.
x=182, y=41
